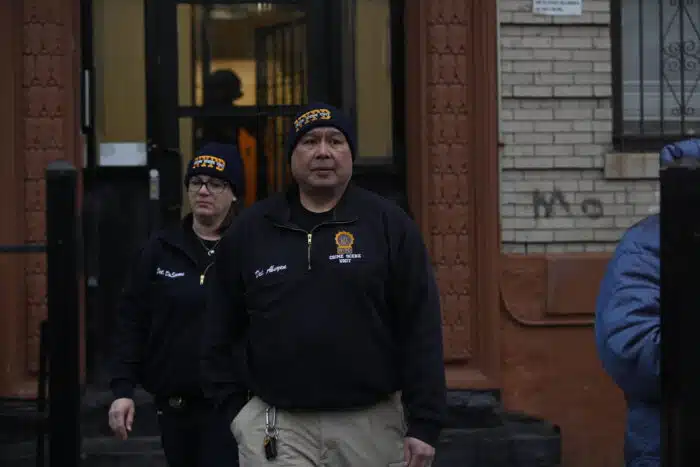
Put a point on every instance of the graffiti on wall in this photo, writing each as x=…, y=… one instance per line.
x=544, y=203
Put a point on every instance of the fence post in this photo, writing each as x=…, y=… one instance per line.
x=62, y=243
x=680, y=320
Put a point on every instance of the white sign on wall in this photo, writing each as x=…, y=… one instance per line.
x=557, y=7
x=123, y=154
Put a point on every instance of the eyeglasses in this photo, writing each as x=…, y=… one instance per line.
x=214, y=185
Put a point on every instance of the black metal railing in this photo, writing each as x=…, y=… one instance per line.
x=36, y=420
x=41, y=402
x=29, y=248
x=680, y=252
x=58, y=415
x=63, y=250
x=656, y=65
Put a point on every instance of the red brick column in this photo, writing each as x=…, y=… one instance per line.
x=453, y=173
x=40, y=43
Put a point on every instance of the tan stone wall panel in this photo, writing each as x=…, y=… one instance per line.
x=51, y=94
x=550, y=362
x=453, y=155
x=448, y=126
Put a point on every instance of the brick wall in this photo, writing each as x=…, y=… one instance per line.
x=562, y=186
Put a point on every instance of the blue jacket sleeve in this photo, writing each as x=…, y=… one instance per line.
x=628, y=320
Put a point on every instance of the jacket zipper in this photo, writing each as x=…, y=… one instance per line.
x=309, y=236
x=192, y=259
x=204, y=273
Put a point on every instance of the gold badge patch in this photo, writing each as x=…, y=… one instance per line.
x=344, y=241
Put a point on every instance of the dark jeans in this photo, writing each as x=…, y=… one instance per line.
x=196, y=435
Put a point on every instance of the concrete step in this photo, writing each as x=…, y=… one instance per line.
x=518, y=441
x=478, y=434
x=20, y=419
x=529, y=444
x=142, y=451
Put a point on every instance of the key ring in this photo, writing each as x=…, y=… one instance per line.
x=271, y=422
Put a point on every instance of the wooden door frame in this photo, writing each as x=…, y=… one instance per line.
x=481, y=369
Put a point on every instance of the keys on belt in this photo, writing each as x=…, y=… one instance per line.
x=270, y=440
x=181, y=402
x=176, y=402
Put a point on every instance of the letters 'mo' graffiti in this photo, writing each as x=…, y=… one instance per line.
x=544, y=203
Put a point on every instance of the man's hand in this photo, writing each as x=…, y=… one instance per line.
x=417, y=453
x=121, y=417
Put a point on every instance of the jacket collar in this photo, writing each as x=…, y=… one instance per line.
x=347, y=209
x=176, y=236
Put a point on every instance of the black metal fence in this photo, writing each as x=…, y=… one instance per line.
x=680, y=358
x=656, y=65
x=59, y=343
x=22, y=249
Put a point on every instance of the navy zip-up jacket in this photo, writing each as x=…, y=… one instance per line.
x=335, y=318
x=158, y=322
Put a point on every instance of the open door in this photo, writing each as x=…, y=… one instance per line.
x=235, y=72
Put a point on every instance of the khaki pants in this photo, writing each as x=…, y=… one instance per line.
x=370, y=437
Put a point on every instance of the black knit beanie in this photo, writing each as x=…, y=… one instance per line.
x=317, y=115
x=219, y=160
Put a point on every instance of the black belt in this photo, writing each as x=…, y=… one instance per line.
x=181, y=402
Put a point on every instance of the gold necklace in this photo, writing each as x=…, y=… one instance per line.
x=210, y=251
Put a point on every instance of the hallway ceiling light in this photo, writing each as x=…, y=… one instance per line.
x=238, y=12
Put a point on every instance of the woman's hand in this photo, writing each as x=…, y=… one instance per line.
x=121, y=417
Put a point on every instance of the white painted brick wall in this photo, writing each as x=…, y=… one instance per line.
x=556, y=130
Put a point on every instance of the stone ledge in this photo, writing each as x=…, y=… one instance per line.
x=480, y=432
x=631, y=166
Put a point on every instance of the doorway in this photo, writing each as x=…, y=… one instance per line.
x=187, y=72
x=234, y=72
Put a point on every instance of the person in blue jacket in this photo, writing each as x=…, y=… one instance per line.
x=627, y=325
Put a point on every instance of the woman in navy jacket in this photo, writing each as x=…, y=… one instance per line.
x=157, y=338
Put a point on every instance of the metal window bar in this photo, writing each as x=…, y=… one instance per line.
x=280, y=54
x=281, y=72
x=194, y=51
x=27, y=248
x=659, y=100
x=41, y=392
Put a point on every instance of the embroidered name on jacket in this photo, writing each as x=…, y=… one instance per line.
x=169, y=274
x=271, y=269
